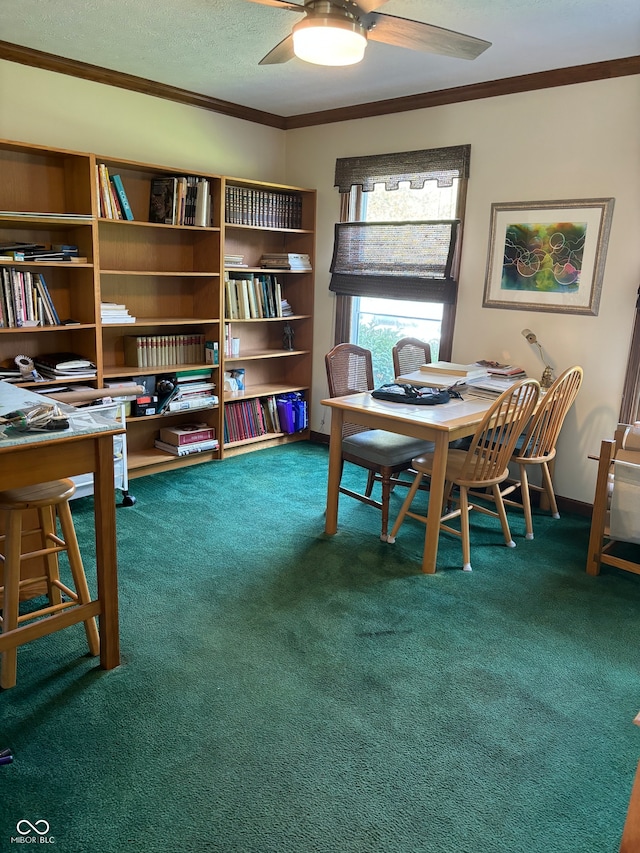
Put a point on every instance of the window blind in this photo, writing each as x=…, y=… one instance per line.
x=396, y=260
x=417, y=167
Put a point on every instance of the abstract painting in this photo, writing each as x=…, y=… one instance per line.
x=547, y=256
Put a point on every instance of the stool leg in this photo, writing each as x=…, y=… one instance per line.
x=47, y=520
x=11, y=596
x=77, y=570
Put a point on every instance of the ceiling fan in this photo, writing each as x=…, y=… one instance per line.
x=335, y=32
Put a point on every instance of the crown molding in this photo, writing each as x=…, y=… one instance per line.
x=97, y=74
x=494, y=88
x=491, y=89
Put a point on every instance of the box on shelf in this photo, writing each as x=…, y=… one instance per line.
x=145, y=405
x=211, y=352
x=292, y=411
x=187, y=434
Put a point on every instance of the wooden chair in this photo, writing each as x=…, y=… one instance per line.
x=537, y=446
x=483, y=465
x=410, y=354
x=47, y=500
x=383, y=454
x=616, y=505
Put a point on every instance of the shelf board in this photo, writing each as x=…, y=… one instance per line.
x=146, y=458
x=128, y=370
x=165, y=415
x=275, y=353
x=163, y=321
x=268, y=319
x=253, y=391
x=270, y=270
x=28, y=330
x=70, y=265
x=165, y=273
x=267, y=228
x=141, y=223
x=46, y=220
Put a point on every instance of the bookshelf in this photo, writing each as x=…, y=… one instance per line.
x=252, y=230
x=170, y=277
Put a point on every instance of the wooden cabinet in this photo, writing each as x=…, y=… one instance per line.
x=270, y=219
x=170, y=277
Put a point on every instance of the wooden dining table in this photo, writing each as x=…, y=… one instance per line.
x=440, y=424
x=86, y=446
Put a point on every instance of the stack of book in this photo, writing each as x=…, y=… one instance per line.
x=68, y=365
x=192, y=389
x=234, y=260
x=275, y=260
x=298, y=262
x=44, y=252
x=443, y=374
x=186, y=439
x=113, y=313
x=511, y=370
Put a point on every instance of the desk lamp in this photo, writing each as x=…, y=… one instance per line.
x=547, y=374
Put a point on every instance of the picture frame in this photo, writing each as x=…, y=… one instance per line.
x=548, y=255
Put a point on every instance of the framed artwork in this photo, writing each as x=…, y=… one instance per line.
x=548, y=255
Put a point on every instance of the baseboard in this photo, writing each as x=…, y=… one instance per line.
x=564, y=504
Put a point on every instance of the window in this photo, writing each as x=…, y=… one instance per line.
x=412, y=187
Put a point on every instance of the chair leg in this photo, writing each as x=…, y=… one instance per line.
x=548, y=484
x=526, y=502
x=47, y=521
x=11, y=596
x=502, y=513
x=77, y=571
x=371, y=478
x=464, y=529
x=391, y=538
x=386, y=494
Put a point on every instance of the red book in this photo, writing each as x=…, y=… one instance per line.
x=187, y=434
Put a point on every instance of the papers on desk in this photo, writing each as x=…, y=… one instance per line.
x=493, y=384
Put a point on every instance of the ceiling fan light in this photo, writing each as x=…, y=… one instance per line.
x=329, y=41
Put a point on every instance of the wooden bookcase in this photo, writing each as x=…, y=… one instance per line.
x=170, y=277
x=270, y=368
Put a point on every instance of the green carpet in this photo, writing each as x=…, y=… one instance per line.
x=287, y=692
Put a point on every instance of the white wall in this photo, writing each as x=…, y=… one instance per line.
x=571, y=142
x=60, y=111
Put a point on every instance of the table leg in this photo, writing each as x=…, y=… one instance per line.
x=335, y=466
x=106, y=553
x=436, y=496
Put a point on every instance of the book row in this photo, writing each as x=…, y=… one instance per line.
x=158, y=350
x=259, y=416
x=180, y=200
x=113, y=202
x=262, y=208
x=25, y=300
x=250, y=296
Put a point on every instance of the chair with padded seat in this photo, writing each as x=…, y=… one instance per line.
x=383, y=454
x=537, y=446
x=409, y=354
x=48, y=501
x=483, y=465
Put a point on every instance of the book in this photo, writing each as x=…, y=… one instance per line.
x=453, y=369
x=506, y=370
x=187, y=449
x=162, y=201
x=125, y=207
x=183, y=405
x=187, y=434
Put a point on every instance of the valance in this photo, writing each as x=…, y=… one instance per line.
x=417, y=167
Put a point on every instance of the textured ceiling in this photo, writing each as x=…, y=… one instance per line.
x=213, y=46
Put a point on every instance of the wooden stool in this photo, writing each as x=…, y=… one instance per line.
x=48, y=499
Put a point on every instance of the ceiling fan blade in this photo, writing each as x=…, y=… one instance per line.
x=416, y=35
x=282, y=52
x=280, y=4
